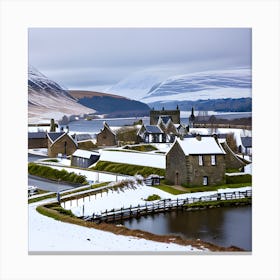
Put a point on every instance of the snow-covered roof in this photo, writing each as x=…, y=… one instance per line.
x=84, y=153
x=206, y=145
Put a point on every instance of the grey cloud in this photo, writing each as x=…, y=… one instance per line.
x=106, y=55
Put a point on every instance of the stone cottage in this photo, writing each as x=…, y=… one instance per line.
x=151, y=134
x=106, y=137
x=60, y=143
x=37, y=140
x=196, y=161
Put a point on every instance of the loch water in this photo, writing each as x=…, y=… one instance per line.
x=225, y=226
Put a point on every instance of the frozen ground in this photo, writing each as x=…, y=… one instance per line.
x=49, y=235
x=126, y=197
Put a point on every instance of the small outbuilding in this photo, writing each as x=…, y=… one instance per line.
x=83, y=158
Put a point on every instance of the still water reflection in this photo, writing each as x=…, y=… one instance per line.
x=221, y=226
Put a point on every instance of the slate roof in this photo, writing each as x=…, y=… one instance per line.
x=153, y=129
x=55, y=135
x=246, y=141
x=165, y=119
x=37, y=135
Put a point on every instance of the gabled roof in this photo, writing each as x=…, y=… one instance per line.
x=246, y=141
x=153, y=129
x=37, y=135
x=53, y=136
x=84, y=153
x=105, y=125
x=206, y=145
x=165, y=119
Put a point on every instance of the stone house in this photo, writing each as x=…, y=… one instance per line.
x=60, y=143
x=83, y=158
x=106, y=137
x=196, y=161
x=37, y=140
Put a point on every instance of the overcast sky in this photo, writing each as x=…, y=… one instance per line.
x=96, y=58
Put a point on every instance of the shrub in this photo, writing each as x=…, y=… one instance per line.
x=153, y=197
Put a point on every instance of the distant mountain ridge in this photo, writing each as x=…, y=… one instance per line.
x=111, y=105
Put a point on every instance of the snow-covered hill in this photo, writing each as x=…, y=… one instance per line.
x=234, y=83
x=47, y=99
x=161, y=85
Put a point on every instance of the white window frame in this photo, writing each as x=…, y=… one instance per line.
x=200, y=160
x=205, y=180
x=213, y=160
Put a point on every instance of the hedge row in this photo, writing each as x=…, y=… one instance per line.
x=128, y=169
x=54, y=174
x=246, y=178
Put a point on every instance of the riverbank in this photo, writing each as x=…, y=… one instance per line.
x=55, y=211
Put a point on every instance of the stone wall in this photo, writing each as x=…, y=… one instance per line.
x=215, y=173
x=35, y=143
x=176, y=166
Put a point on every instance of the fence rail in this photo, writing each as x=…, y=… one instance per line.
x=161, y=206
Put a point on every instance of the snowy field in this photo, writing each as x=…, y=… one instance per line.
x=137, y=158
x=49, y=235
x=128, y=196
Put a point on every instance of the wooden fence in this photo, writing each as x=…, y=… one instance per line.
x=161, y=206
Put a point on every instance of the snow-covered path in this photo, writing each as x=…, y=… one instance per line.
x=49, y=235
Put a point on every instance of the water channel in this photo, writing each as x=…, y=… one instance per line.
x=221, y=226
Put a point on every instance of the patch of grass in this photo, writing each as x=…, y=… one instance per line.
x=87, y=145
x=153, y=197
x=128, y=169
x=170, y=189
x=36, y=199
x=51, y=160
x=232, y=170
x=220, y=203
x=141, y=148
